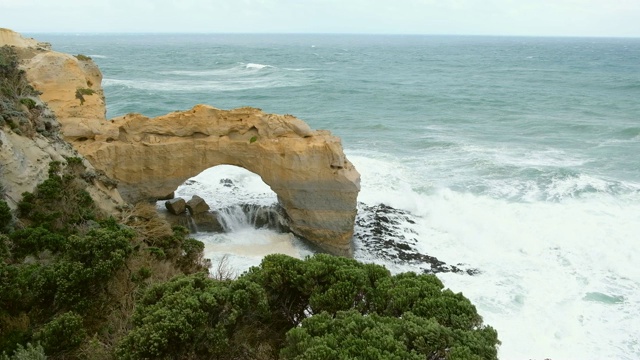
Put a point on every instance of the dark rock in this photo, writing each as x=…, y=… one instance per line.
x=386, y=233
x=197, y=205
x=176, y=206
x=207, y=221
x=226, y=182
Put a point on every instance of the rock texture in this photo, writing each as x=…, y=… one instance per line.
x=176, y=206
x=12, y=38
x=197, y=205
x=71, y=87
x=316, y=185
x=25, y=157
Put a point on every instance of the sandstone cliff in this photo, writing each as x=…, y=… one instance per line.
x=29, y=132
x=316, y=185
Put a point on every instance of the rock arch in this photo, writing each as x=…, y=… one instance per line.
x=315, y=183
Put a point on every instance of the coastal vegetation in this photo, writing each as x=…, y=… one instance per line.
x=20, y=106
x=82, y=57
x=75, y=283
x=82, y=92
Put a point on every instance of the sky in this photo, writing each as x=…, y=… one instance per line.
x=601, y=18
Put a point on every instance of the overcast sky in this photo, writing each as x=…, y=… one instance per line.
x=472, y=17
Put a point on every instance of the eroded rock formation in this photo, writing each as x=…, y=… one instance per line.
x=316, y=185
x=29, y=135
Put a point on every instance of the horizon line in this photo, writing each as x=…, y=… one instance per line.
x=321, y=33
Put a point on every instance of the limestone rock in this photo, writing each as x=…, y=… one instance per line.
x=168, y=197
x=71, y=87
x=197, y=205
x=24, y=160
x=316, y=184
x=24, y=163
x=12, y=38
x=176, y=206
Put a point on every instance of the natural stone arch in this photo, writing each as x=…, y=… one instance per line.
x=316, y=185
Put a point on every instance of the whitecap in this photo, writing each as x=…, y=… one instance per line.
x=257, y=66
x=189, y=86
x=98, y=56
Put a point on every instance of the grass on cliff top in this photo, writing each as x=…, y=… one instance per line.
x=20, y=106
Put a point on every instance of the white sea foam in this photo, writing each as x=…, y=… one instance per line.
x=237, y=77
x=523, y=156
x=98, y=56
x=257, y=66
x=204, y=85
x=246, y=248
x=552, y=273
x=238, y=70
x=226, y=185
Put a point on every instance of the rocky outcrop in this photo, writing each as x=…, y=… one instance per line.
x=316, y=185
x=29, y=134
x=387, y=233
x=12, y=38
x=71, y=87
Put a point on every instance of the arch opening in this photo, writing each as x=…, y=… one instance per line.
x=249, y=222
x=316, y=185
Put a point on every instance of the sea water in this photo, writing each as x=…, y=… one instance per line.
x=519, y=157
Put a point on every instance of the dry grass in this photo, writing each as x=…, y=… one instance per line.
x=144, y=219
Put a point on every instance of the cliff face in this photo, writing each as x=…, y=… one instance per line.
x=29, y=133
x=316, y=185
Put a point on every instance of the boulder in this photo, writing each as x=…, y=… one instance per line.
x=197, y=205
x=176, y=206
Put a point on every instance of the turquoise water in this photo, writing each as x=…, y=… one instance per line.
x=518, y=156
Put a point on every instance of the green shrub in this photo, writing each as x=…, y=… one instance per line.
x=33, y=240
x=324, y=307
x=87, y=264
x=29, y=103
x=13, y=83
x=82, y=57
x=62, y=334
x=29, y=352
x=60, y=202
x=193, y=317
x=81, y=92
x=85, y=91
x=6, y=217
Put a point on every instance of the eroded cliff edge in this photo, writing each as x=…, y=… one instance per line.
x=316, y=184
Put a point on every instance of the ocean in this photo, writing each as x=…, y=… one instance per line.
x=516, y=157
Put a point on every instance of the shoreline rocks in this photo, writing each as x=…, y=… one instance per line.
x=387, y=233
x=176, y=206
